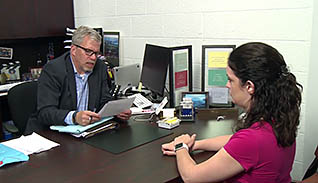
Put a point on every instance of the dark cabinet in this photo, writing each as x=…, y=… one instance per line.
x=35, y=18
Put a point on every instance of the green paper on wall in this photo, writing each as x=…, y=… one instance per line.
x=217, y=77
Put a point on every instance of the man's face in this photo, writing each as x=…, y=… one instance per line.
x=241, y=95
x=85, y=55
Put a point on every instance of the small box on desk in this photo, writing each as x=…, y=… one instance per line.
x=169, y=123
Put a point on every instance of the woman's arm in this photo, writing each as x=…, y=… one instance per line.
x=211, y=144
x=219, y=167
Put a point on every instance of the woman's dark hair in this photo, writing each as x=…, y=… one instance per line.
x=277, y=94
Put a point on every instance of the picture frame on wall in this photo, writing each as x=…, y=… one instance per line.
x=214, y=78
x=180, y=73
x=111, y=47
x=6, y=53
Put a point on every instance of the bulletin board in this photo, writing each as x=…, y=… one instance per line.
x=180, y=73
x=214, y=78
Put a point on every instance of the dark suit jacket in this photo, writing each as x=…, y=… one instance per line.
x=57, y=92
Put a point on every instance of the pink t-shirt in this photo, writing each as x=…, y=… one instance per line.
x=263, y=160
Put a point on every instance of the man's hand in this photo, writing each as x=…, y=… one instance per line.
x=86, y=117
x=124, y=115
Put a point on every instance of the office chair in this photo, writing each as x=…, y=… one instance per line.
x=22, y=100
x=312, y=169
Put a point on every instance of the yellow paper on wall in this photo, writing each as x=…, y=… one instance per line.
x=217, y=59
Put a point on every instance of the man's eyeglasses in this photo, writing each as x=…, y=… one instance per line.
x=89, y=52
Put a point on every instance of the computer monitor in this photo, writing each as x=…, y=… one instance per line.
x=154, y=68
x=200, y=99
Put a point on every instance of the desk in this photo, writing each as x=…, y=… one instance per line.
x=75, y=161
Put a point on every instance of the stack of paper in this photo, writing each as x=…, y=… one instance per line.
x=17, y=150
x=30, y=144
x=89, y=130
x=97, y=129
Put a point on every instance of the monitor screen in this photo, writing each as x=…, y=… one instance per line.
x=154, y=68
x=199, y=99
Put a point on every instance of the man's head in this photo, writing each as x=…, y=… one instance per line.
x=85, y=49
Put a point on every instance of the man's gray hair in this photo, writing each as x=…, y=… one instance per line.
x=83, y=31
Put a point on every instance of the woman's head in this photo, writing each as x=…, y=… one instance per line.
x=266, y=89
x=255, y=65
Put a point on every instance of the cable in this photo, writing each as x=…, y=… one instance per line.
x=166, y=89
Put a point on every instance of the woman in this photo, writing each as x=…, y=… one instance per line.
x=262, y=149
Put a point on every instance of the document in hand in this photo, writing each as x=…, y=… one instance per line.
x=115, y=107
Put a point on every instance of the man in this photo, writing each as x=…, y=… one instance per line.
x=73, y=87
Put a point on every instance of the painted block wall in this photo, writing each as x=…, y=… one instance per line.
x=286, y=25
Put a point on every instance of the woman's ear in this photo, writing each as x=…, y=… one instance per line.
x=250, y=87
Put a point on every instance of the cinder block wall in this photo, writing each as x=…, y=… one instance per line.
x=284, y=24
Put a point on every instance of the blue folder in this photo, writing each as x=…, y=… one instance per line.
x=77, y=129
x=9, y=155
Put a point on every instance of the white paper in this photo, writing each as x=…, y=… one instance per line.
x=115, y=107
x=219, y=95
x=161, y=105
x=30, y=144
x=137, y=110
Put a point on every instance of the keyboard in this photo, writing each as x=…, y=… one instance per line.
x=141, y=101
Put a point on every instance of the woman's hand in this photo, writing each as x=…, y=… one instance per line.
x=168, y=148
x=187, y=139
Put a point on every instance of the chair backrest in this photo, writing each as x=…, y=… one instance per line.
x=313, y=166
x=22, y=100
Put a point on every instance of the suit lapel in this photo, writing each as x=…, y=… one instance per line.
x=71, y=81
x=93, y=90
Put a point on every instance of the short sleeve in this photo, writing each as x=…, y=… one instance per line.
x=244, y=148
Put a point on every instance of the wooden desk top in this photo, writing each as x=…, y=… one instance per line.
x=75, y=161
